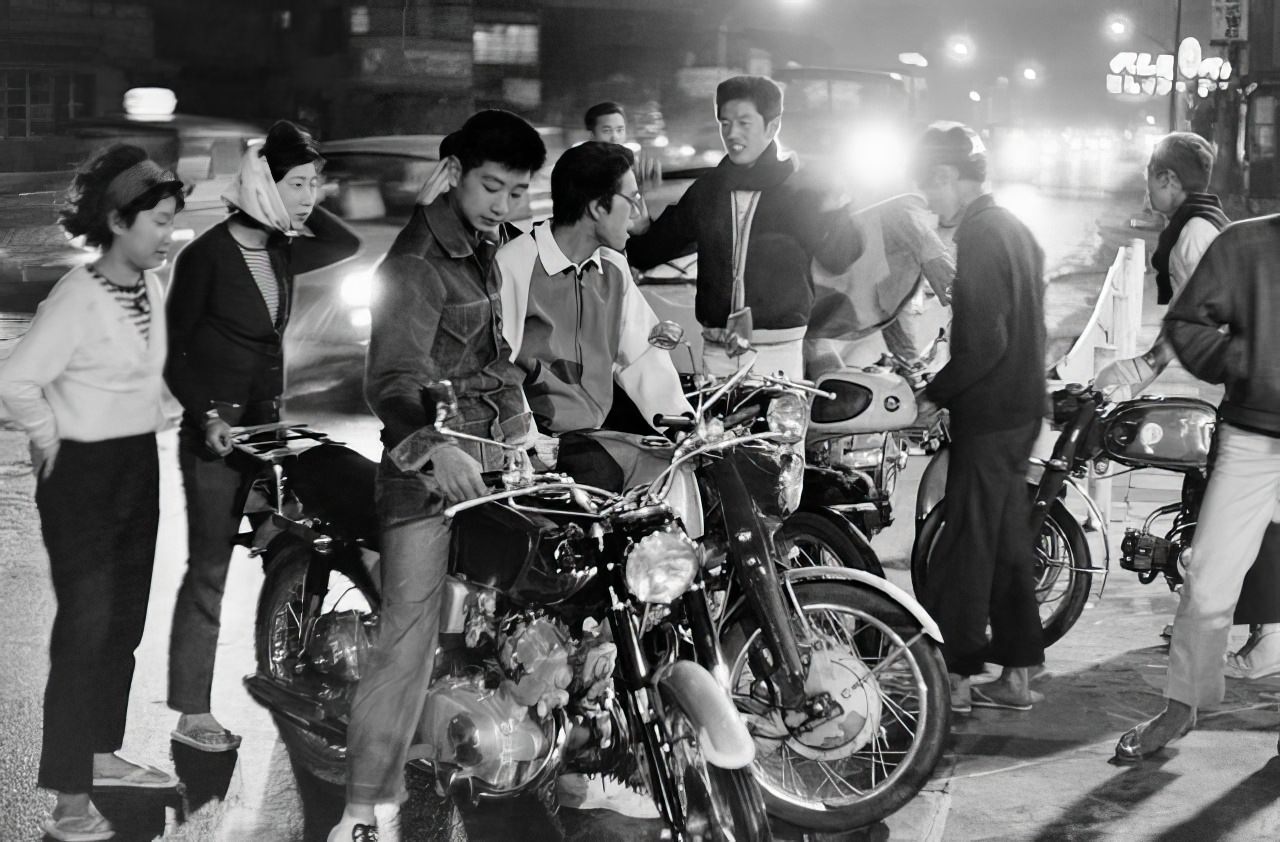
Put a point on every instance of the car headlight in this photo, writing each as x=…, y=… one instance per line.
x=357, y=288
x=661, y=567
x=788, y=416
x=791, y=482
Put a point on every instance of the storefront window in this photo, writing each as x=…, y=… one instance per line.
x=35, y=103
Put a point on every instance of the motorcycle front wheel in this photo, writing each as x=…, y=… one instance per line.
x=719, y=805
x=820, y=542
x=886, y=718
x=1062, y=562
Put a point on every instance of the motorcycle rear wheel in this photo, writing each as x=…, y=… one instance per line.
x=1061, y=556
x=872, y=780
x=719, y=805
x=822, y=543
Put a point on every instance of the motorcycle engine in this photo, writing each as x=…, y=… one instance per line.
x=339, y=643
x=534, y=654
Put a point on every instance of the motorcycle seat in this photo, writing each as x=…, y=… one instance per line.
x=336, y=485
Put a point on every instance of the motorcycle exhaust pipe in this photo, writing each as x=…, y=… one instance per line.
x=298, y=708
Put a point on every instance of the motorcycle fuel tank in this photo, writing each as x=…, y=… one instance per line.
x=1159, y=432
x=866, y=401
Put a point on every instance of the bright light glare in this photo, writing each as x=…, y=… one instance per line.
x=182, y=235
x=357, y=288
x=913, y=59
x=1018, y=154
x=1151, y=121
x=150, y=103
x=1118, y=26
x=960, y=48
x=361, y=317
x=975, y=96
x=661, y=141
x=1029, y=73
x=878, y=156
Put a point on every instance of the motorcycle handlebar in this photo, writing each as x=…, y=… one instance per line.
x=673, y=422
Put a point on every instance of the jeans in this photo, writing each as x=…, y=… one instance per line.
x=982, y=567
x=1238, y=505
x=216, y=489
x=99, y=511
x=389, y=698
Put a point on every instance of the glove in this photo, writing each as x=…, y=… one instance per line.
x=1135, y=372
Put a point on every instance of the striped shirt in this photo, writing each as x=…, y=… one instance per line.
x=133, y=299
x=259, y=263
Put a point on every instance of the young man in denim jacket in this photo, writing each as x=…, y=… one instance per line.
x=436, y=315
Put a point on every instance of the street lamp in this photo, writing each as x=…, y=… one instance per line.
x=974, y=96
x=960, y=48
x=1120, y=27
x=1030, y=74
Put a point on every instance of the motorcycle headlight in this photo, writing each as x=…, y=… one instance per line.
x=661, y=567
x=788, y=415
x=791, y=482
x=357, y=288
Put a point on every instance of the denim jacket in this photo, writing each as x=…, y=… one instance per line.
x=437, y=316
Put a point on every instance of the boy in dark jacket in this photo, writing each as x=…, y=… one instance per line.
x=757, y=231
x=994, y=387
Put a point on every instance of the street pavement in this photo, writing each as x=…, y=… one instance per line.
x=1041, y=775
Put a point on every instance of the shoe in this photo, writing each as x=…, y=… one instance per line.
x=1258, y=658
x=961, y=701
x=211, y=740
x=576, y=791
x=346, y=831
x=987, y=696
x=1130, y=748
x=91, y=827
x=139, y=777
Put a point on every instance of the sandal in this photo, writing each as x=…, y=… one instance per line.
x=1241, y=664
x=139, y=777
x=92, y=827
x=212, y=740
x=982, y=699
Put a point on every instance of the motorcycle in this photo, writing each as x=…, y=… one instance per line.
x=555, y=647
x=838, y=672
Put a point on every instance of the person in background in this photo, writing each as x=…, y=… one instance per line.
x=1224, y=328
x=436, y=316
x=757, y=229
x=606, y=122
x=228, y=310
x=86, y=385
x=994, y=389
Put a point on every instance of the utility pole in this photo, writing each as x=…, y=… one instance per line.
x=1173, y=88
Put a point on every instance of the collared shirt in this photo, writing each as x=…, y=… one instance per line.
x=575, y=328
x=436, y=317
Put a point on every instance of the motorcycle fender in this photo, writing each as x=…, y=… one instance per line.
x=933, y=485
x=722, y=733
x=842, y=522
x=889, y=589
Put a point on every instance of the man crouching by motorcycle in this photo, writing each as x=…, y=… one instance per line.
x=576, y=322
x=435, y=312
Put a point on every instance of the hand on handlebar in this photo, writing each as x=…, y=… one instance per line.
x=217, y=436
x=457, y=474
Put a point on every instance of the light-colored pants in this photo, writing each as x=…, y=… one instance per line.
x=785, y=357
x=1243, y=491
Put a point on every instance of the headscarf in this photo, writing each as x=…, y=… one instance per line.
x=253, y=192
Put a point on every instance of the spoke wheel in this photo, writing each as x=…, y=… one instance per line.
x=882, y=735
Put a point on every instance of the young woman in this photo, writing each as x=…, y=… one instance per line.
x=86, y=384
x=228, y=309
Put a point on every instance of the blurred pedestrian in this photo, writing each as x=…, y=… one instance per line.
x=228, y=309
x=1224, y=328
x=86, y=384
x=757, y=230
x=606, y=122
x=436, y=317
x=994, y=388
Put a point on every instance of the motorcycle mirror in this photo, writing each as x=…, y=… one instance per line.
x=738, y=329
x=666, y=335
x=440, y=400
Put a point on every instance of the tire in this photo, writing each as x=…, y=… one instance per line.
x=719, y=805
x=277, y=644
x=1061, y=538
x=907, y=711
x=824, y=543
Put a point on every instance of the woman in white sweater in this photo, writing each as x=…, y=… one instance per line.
x=86, y=384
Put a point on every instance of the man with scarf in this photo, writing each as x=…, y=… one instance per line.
x=757, y=231
x=1177, y=181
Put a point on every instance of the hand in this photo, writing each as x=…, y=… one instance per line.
x=217, y=436
x=926, y=411
x=457, y=474
x=42, y=459
x=443, y=177
x=1136, y=373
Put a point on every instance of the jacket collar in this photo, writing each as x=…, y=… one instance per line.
x=448, y=228
x=986, y=200
x=554, y=261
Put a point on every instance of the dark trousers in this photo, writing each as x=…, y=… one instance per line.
x=99, y=511
x=216, y=490
x=1260, y=595
x=982, y=570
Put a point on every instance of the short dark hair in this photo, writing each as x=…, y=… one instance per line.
x=88, y=209
x=289, y=145
x=586, y=173
x=760, y=90
x=499, y=136
x=1187, y=155
x=951, y=144
x=601, y=109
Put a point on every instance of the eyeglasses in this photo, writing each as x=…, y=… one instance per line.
x=636, y=202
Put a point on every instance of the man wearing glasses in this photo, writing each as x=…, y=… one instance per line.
x=575, y=320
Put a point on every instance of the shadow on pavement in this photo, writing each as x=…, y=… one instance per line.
x=138, y=815
x=1260, y=791
x=205, y=776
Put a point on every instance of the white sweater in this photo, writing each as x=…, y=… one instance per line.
x=83, y=371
